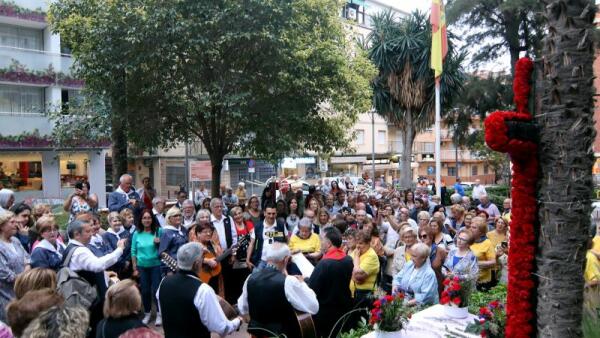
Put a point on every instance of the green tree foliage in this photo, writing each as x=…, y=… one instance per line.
x=264, y=78
x=404, y=90
x=497, y=26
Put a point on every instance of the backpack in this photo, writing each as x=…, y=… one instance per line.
x=74, y=288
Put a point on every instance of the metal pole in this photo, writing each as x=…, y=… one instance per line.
x=373, y=145
x=438, y=163
x=187, y=169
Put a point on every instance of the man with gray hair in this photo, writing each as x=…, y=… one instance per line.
x=79, y=258
x=158, y=210
x=124, y=196
x=188, y=212
x=189, y=307
x=270, y=296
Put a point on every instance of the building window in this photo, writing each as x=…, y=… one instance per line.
x=354, y=12
x=360, y=137
x=20, y=37
x=381, y=137
x=451, y=171
x=486, y=169
x=175, y=176
x=21, y=99
x=474, y=170
x=428, y=147
x=71, y=98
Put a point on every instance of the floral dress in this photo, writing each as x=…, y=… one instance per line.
x=78, y=205
x=13, y=259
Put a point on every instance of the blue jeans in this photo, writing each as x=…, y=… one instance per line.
x=149, y=280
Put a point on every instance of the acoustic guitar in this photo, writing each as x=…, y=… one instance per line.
x=229, y=311
x=207, y=272
x=306, y=325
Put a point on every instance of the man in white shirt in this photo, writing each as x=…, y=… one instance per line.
x=189, y=307
x=189, y=214
x=227, y=237
x=200, y=194
x=88, y=266
x=478, y=191
x=159, y=210
x=262, y=293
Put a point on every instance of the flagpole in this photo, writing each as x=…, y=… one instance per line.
x=438, y=136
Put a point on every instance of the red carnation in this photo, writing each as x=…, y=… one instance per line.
x=456, y=279
x=456, y=300
x=456, y=287
x=483, y=333
x=446, y=281
x=444, y=293
x=445, y=300
x=389, y=298
x=400, y=295
x=377, y=303
x=494, y=304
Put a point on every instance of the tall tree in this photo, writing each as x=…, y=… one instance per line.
x=497, y=26
x=106, y=58
x=405, y=86
x=256, y=77
x=481, y=95
x=566, y=159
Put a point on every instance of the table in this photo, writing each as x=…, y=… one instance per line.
x=434, y=323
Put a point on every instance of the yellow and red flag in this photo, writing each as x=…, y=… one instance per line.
x=439, y=39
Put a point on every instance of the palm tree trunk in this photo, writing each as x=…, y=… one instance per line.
x=408, y=137
x=566, y=158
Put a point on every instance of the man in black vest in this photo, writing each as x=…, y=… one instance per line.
x=189, y=307
x=88, y=266
x=270, y=296
x=267, y=233
x=331, y=282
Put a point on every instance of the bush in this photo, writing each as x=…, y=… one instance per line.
x=480, y=299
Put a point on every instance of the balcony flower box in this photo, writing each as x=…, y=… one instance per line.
x=10, y=9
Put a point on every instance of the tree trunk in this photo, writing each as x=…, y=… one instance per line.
x=511, y=36
x=216, y=161
x=119, y=148
x=566, y=158
x=407, y=143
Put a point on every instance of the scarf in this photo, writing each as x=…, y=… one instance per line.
x=335, y=254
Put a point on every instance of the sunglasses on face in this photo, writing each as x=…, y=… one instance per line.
x=423, y=236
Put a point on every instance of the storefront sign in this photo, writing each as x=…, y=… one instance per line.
x=200, y=171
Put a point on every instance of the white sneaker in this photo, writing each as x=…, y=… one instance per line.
x=146, y=319
x=158, y=321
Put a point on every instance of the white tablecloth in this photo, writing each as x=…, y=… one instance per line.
x=434, y=323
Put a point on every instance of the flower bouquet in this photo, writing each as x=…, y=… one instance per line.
x=456, y=296
x=491, y=321
x=389, y=315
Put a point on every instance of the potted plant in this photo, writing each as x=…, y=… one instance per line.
x=389, y=315
x=491, y=322
x=455, y=296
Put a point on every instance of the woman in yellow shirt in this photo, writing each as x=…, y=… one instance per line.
x=306, y=242
x=366, y=268
x=485, y=252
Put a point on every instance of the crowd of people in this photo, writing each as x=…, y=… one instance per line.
x=207, y=264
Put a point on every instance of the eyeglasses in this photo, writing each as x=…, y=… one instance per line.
x=423, y=236
x=462, y=239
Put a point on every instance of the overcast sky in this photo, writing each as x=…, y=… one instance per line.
x=503, y=63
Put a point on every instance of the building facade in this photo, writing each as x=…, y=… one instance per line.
x=35, y=74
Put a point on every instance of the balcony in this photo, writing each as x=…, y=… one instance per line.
x=35, y=60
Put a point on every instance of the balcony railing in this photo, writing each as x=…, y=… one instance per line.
x=35, y=60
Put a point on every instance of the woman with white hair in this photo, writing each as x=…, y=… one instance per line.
x=306, y=241
x=173, y=236
x=7, y=199
x=417, y=279
x=13, y=259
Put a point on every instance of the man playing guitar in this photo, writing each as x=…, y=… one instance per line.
x=271, y=297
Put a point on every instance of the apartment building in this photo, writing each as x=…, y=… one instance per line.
x=35, y=73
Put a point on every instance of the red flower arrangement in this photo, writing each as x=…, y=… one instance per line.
x=456, y=292
x=389, y=313
x=512, y=132
x=491, y=321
